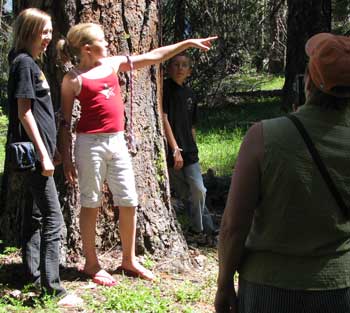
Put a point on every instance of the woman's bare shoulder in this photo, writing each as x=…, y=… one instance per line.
x=72, y=81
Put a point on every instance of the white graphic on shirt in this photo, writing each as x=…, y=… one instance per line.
x=44, y=82
x=189, y=103
x=107, y=91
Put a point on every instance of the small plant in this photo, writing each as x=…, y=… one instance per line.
x=188, y=292
x=7, y=300
x=10, y=250
x=148, y=262
x=134, y=298
x=47, y=303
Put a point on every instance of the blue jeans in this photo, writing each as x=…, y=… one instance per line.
x=188, y=185
x=41, y=231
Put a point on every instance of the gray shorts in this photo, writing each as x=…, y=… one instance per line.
x=104, y=157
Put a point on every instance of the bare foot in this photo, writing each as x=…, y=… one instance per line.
x=70, y=301
x=100, y=276
x=91, y=270
x=103, y=278
x=135, y=269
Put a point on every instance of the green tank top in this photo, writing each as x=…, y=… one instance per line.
x=299, y=238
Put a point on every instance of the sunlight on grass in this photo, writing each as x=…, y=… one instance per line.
x=188, y=292
x=250, y=80
x=218, y=150
x=220, y=130
x=272, y=83
x=160, y=297
x=129, y=297
x=3, y=132
x=148, y=262
x=9, y=250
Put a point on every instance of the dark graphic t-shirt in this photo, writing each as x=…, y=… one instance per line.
x=179, y=103
x=27, y=81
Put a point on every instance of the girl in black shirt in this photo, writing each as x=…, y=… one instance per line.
x=31, y=117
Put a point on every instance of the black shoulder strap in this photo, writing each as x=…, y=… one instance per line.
x=322, y=168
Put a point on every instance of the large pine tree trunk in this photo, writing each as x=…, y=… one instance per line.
x=130, y=27
x=305, y=18
x=276, y=32
x=180, y=20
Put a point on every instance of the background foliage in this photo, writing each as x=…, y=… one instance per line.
x=252, y=37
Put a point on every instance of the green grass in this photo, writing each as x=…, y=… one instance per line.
x=133, y=298
x=3, y=132
x=221, y=128
x=188, y=293
x=129, y=295
x=272, y=83
x=249, y=80
x=218, y=149
x=9, y=250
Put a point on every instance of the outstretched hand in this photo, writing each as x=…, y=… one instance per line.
x=203, y=43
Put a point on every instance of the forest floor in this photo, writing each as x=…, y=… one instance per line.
x=190, y=291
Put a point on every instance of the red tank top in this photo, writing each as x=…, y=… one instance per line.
x=102, y=108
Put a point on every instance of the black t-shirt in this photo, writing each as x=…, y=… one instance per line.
x=27, y=81
x=180, y=104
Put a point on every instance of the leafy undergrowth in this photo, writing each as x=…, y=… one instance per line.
x=192, y=291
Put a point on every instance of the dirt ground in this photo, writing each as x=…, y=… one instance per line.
x=202, y=275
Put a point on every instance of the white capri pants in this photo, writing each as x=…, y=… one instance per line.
x=101, y=157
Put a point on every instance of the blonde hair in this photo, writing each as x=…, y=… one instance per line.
x=29, y=24
x=79, y=35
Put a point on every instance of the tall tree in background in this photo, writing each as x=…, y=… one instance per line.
x=305, y=18
x=341, y=17
x=130, y=27
x=180, y=22
x=5, y=39
x=251, y=33
x=277, y=34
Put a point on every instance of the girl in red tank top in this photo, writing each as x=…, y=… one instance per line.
x=97, y=96
x=95, y=84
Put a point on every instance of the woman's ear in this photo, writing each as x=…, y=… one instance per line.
x=86, y=48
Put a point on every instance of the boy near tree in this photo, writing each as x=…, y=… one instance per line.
x=179, y=118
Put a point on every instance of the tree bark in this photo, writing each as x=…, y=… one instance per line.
x=305, y=18
x=131, y=27
x=277, y=35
